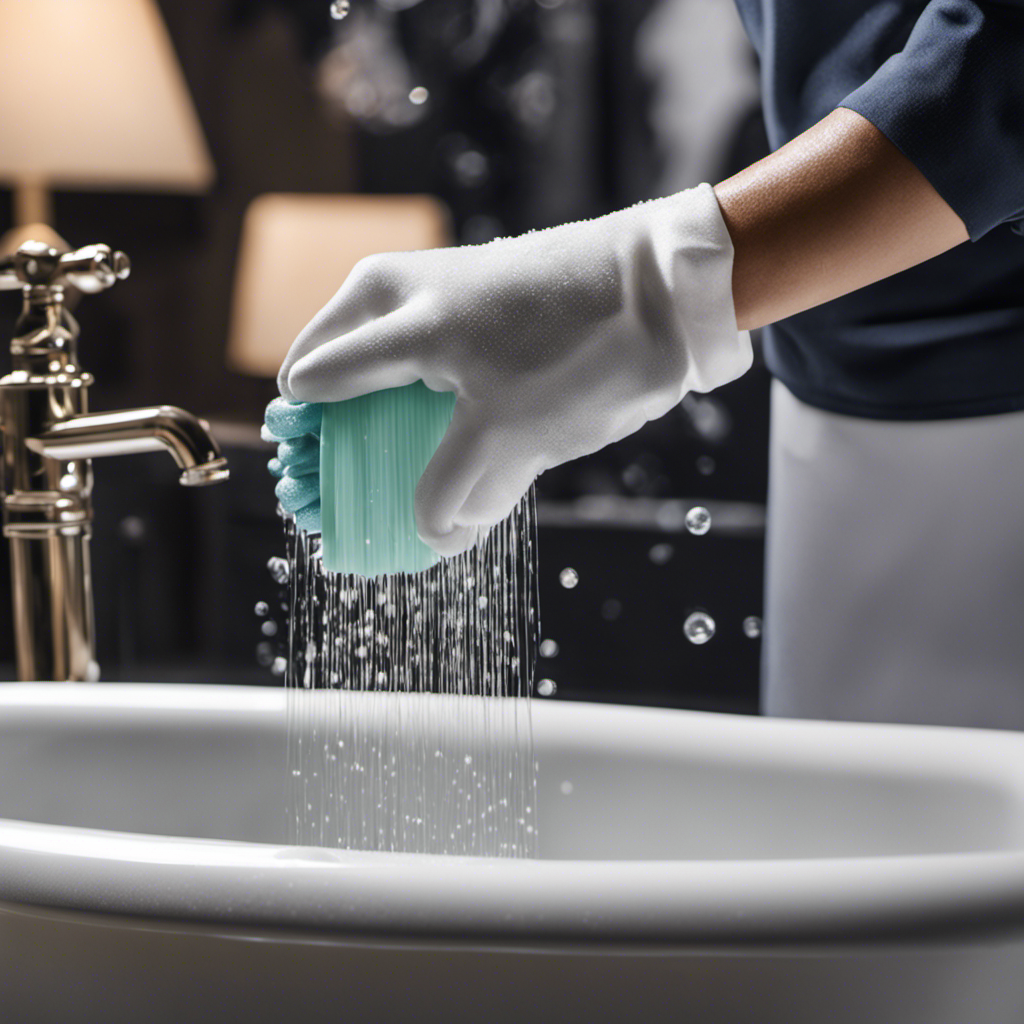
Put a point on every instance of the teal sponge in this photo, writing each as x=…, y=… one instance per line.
x=373, y=451
x=295, y=428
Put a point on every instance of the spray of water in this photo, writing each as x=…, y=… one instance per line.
x=409, y=700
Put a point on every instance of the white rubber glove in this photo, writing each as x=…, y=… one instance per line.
x=556, y=343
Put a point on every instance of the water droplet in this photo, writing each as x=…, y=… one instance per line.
x=482, y=602
x=339, y=9
x=262, y=608
x=566, y=787
x=279, y=666
x=699, y=627
x=269, y=628
x=661, y=553
x=360, y=651
x=705, y=465
x=279, y=570
x=547, y=687
x=382, y=678
x=265, y=654
x=698, y=520
x=549, y=649
x=468, y=759
x=611, y=609
x=568, y=578
x=418, y=95
x=752, y=627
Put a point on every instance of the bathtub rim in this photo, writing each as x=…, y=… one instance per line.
x=365, y=898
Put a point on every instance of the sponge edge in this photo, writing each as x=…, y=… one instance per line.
x=295, y=428
x=373, y=450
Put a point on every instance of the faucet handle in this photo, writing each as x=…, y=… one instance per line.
x=10, y=272
x=94, y=267
x=90, y=268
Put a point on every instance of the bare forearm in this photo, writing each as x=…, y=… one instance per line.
x=836, y=209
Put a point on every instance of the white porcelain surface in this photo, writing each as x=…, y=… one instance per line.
x=705, y=868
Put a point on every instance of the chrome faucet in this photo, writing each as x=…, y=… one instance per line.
x=49, y=437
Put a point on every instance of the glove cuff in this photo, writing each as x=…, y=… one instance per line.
x=697, y=256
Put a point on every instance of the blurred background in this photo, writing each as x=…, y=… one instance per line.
x=295, y=143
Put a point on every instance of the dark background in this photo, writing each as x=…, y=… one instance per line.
x=554, y=109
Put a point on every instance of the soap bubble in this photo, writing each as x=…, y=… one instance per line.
x=699, y=627
x=269, y=628
x=752, y=627
x=698, y=520
x=611, y=609
x=265, y=654
x=705, y=465
x=549, y=648
x=279, y=666
x=634, y=476
x=547, y=687
x=261, y=608
x=568, y=578
x=339, y=9
x=280, y=571
x=661, y=553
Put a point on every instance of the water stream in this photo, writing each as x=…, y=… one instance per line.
x=409, y=700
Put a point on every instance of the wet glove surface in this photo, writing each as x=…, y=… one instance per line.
x=295, y=427
x=556, y=343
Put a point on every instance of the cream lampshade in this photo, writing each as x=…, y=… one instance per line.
x=297, y=249
x=92, y=97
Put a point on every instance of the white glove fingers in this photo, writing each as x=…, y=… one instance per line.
x=368, y=293
x=375, y=356
x=450, y=476
x=497, y=492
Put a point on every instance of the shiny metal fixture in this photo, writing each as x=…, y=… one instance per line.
x=49, y=437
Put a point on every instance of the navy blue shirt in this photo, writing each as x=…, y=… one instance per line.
x=944, y=81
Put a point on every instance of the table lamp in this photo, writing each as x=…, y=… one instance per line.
x=91, y=97
x=297, y=249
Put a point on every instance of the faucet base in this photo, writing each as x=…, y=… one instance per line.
x=53, y=624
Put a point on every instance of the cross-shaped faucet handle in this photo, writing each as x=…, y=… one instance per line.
x=92, y=268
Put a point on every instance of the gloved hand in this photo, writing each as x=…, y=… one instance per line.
x=296, y=429
x=556, y=344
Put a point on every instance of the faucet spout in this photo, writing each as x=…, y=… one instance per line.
x=158, y=428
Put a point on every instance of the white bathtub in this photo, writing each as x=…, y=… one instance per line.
x=703, y=868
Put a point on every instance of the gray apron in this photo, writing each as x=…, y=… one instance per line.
x=895, y=568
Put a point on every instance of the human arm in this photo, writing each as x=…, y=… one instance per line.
x=837, y=208
x=841, y=206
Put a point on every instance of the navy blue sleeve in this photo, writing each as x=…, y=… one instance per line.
x=952, y=100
